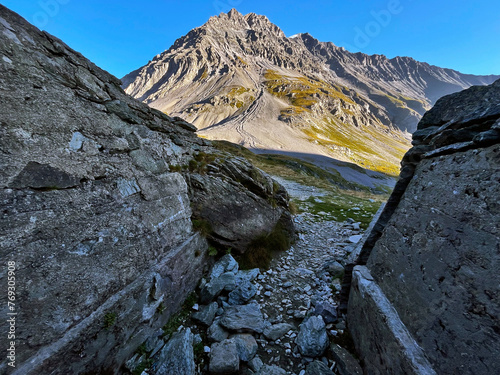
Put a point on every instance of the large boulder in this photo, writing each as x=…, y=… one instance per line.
x=96, y=210
x=238, y=203
x=426, y=283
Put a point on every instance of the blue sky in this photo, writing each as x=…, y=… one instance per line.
x=121, y=36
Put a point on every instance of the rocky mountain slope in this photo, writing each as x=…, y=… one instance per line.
x=103, y=202
x=239, y=78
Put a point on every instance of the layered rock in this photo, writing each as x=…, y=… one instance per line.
x=96, y=209
x=427, y=281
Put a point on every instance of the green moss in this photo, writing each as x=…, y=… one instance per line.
x=141, y=349
x=340, y=207
x=203, y=226
x=175, y=168
x=109, y=320
x=190, y=301
x=212, y=251
x=142, y=366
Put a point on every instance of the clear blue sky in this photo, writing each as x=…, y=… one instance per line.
x=123, y=35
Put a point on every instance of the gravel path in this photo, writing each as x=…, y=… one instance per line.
x=276, y=322
x=296, y=282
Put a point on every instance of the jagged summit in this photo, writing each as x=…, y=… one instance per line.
x=238, y=77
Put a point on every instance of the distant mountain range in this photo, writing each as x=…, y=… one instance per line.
x=239, y=78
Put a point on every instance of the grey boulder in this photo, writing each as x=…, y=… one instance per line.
x=224, y=358
x=243, y=293
x=312, y=339
x=177, y=356
x=246, y=345
x=206, y=315
x=243, y=318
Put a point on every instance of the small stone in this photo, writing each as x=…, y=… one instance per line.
x=267, y=294
x=246, y=345
x=288, y=284
x=224, y=358
x=255, y=364
x=247, y=275
x=243, y=293
x=277, y=331
x=327, y=311
x=318, y=368
x=243, y=317
x=355, y=239
x=312, y=339
x=225, y=264
x=206, y=314
x=215, y=286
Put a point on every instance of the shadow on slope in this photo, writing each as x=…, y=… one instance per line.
x=358, y=177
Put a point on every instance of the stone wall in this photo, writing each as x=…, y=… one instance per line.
x=433, y=301
x=98, y=226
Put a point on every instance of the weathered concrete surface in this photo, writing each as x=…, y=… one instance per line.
x=98, y=226
x=435, y=251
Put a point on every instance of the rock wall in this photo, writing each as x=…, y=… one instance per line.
x=95, y=225
x=424, y=295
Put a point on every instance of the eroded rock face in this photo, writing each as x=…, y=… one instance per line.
x=437, y=257
x=98, y=227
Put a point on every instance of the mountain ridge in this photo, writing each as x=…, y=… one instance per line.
x=239, y=78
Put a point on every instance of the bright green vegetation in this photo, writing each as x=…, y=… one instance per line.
x=339, y=130
x=202, y=226
x=302, y=92
x=343, y=199
x=240, y=96
x=293, y=169
x=340, y=207
x=334, y=134
x=401, y=101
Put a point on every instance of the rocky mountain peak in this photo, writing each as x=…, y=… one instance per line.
x=239, y=78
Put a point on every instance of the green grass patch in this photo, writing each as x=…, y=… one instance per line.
x=340, y=207
x=203, y=226
x=109, y=320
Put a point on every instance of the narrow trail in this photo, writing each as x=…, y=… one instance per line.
x=301, y=279
x=274, y=322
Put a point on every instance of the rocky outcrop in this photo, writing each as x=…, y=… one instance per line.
x=96, y=211
x=424, y=295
